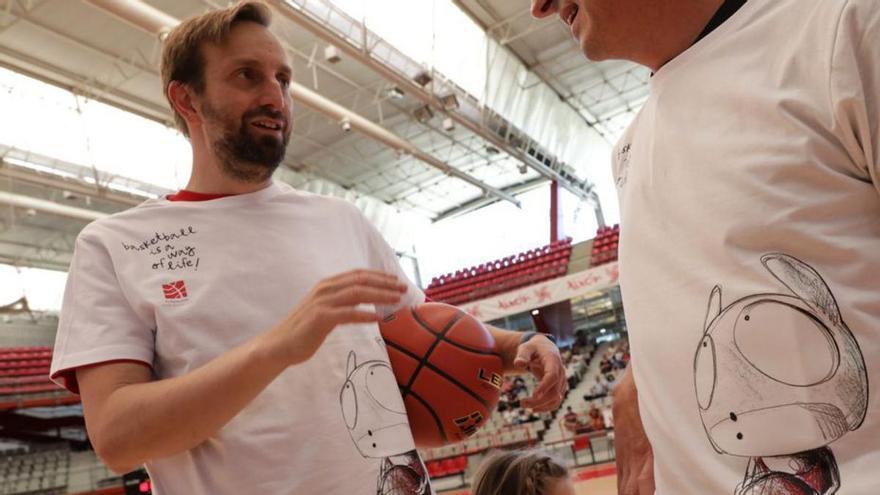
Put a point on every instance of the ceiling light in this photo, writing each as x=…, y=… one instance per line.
x=450, y=102
x=331, y=54
x=423, y=78
x=423, y=114
x=395, y=93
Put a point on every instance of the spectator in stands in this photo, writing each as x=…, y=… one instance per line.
x=610, y=378
x=597, y=422
x=570, y=376
x=607, y=416
x=521, y=473
x=199, y=328
x=605, y=365
x=566, y=355
x=511, y=417
x=599, y=389
x=749, y=180
x=570, y=421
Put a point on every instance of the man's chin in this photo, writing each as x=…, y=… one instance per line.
x=592, y=51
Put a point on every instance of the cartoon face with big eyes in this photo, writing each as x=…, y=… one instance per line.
x=780, y=375
x=376, y=419
x=373, y=410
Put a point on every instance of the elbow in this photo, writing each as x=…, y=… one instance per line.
x=116, y=454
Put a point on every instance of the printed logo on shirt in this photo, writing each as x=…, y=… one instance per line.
x=175, y=291
x=622, y=165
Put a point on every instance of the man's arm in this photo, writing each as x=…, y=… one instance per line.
x=635, y=458
x=540, y=356
x=131, y=419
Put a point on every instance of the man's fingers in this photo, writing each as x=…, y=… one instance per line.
x=342, y=316
x=549, y=384
x=525, y=354
x=552, y=379
x=544, y=399
x=354, y=295
x=369, y=278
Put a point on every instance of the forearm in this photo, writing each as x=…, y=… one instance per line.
x=626, y=386
x=151, y=420
x=506, y=344
x=635, y=458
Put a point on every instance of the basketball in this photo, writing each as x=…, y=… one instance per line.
x=449, y=375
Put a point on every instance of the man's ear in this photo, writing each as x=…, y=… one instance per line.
x=181, y=97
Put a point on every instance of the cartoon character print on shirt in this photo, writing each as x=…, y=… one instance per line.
x=778, y=378
x=377, y=423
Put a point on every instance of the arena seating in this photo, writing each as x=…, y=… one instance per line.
x=24, y=379
x=451, y=466
x=35, y=471
x=502, y=275
x=605, y=245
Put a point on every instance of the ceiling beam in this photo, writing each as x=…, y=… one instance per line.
x=482, y=202
x=52, y=208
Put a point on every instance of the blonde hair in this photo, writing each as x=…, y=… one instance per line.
x=182, y=59
x=517, y=473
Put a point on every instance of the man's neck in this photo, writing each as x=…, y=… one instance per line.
x=215, y=182
x=682, y=23
x=208, y=176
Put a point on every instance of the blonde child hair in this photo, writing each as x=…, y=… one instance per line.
x=517, y=473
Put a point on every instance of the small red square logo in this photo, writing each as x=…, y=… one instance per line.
x=174, y=290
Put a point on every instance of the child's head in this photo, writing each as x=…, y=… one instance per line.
x=521, y=473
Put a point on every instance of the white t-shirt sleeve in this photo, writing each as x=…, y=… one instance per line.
x=855, y=86
x=383, y=257
x=97, y=323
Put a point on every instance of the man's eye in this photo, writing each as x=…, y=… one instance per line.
x=246, y=74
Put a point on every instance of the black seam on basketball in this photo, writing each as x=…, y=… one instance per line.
x=436, y=333
x=469, y=349
x=433, y=414
x=424, y=359
x=442, y=335
x=406, y=389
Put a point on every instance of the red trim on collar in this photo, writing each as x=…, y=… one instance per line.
x=184, y=195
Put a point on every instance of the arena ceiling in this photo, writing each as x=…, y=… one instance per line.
x=440, y=171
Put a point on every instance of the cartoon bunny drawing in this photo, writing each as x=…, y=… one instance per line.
x=781, y=410
x=376, y=420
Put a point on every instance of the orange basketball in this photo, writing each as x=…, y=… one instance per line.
x=448, y=372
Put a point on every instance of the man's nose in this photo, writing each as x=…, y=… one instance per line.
x=273, y=95
x=544, y=8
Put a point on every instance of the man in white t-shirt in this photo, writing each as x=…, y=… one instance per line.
x=227, y=335
x=749, y=254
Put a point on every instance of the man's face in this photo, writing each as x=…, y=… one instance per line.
x=245, y=106
x=603, y=29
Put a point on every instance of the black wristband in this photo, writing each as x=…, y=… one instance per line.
x=528, y=336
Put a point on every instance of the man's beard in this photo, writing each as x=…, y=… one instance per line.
x=243, y=155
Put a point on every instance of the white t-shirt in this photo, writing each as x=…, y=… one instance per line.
x=176, y=284
x=750, y=254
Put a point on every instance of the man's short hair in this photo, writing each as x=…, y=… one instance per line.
x=182, y=58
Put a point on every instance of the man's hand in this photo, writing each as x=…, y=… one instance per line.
x=333, y=302
x=635, y=458
x=540, y=356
